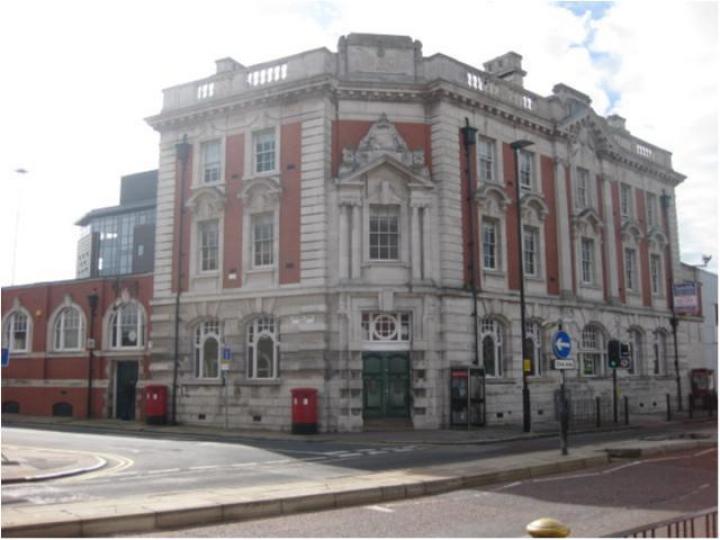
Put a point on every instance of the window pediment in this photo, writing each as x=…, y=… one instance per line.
x=261, y=193
x=382, y=140
x=206, y=202
x=414, y=180
x=587, y=220
x=630, y=231
x=492, y=198
x=657, y=238
x=533, y=206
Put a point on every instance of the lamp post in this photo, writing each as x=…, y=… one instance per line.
x=674, y=321
x=517, y=146
x=92, y=303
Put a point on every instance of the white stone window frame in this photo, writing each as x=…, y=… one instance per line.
x=8, y=327
x=587, y=277
x=597, y=350
x=660, y=352
x=262, y=327
x=531, y=158
x=534, y=211
x=588, y=225
x=657, y=243
x=379, y=240
x=630, y=265
x=491, y=205
x=532, y=252
x=387, y=196
x=201, y=165
x=656, y=274
x=260, y=196
x=201, y=248
x=251, y=150
x=204, y=331
x=113, y=322
x=636, y=340
x=206, y=204
x=651, y=209
x=491, y=224
x=534, y=332
x=375, y=331
x=631, y=236
x=627, y=207
x=57, y=323
x=583, y=184
x=494, y=328
x=494, y=163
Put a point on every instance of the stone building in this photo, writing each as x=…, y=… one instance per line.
x=319, y=225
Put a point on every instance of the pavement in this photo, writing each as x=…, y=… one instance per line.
x=183, y=509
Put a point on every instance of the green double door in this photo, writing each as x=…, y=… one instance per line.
x=386, y=385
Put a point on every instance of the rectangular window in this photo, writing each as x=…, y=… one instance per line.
x=582, y=189
x=491, y=259
x=651, y=210
x=630, y=269
x=208, y=246
x=531, y=241
x=211, y=162
x=263, y=239
x=625, y=201
x=384, y=232
x=486, y=160
x=527, y=170
x=265, y=151
x=656, y=274
x=587, y=255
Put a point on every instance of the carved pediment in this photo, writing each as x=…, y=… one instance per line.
x=630, y=231
x=658, y=239
x=206, y=202
x=261, y=193
x=533, y=206
x=413, y=180
x=585, y=130
x=588, y=220
x=382, y=139
x=492, y=198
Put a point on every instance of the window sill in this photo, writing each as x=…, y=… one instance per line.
x=261, y=270
x=203, y=382
x=498, y=380
x=494, y=273
x=260, y=382
x=74, y=353
x=535, y=279
x=399, y=264
x=591, y=286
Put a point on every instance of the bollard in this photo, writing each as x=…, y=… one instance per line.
x=547, y=528
x=597, y=411
x=667, y=403
x=627, y=410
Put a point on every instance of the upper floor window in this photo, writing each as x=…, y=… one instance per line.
x=630, y=269
x=127, y=327
x=207, y=350
x=527, y=170
x=587, y=260
x=656, y=274
x=582, y=189
x=384, y=232
x=486, y=160
x=263, y=349
x=211, y=162
x=16, y=332
x=626, y=201
x=491, y=253
x=68, y=330
x=263, y=226
x=264, y=145
x=651, y=209
x=492, y=333
x=531, y=250
x=592, y=351
x=208, y=232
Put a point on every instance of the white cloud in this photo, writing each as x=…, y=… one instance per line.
x=80, y=76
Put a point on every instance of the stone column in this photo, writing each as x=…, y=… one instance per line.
x=610, y=253
x=415, y=249
x=356, y=241
x=343, y=241
x=563, y=230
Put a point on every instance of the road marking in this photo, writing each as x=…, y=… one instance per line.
x=513, y=484
x=703, y=452
x=248, y=464
x=163, y=471
x=276, y=462
x=202, y=467
x=321, y=458
x=378, y=508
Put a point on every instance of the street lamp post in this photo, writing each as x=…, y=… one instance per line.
x=517, y=146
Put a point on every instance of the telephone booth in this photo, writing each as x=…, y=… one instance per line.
x=702, y=387
x=467, y=397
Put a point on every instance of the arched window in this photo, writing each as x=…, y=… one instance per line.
x=592, y=351
x=635, y=337
x=68, y=330
x=263, y=353
x=533, y=346
x=16, y=332
x=660, y=352
x=491, y=338
x=127, y=327
x=207, y=350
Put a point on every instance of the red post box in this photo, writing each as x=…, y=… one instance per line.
x=304, y=410
x=155, y=404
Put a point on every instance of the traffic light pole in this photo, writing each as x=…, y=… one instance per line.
x=615, y=396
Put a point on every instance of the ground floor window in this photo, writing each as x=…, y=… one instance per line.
x=592, y=351
x=263, y=349
x=207, y=350
x=492, y=334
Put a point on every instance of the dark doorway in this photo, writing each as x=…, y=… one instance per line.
x=386, y=385
x=125, y=381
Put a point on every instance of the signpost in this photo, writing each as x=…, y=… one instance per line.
x=5, y=357
x=225, y=367
x=562, y=347
x=686, y=298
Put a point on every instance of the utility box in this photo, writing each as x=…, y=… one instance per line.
x=304, y=410
x=156, y=404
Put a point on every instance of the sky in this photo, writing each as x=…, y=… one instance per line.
x=79, y=77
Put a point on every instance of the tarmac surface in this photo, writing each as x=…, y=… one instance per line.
x=182, y=509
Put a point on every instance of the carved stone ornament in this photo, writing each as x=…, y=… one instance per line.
x=382, y=139
x=587, y=220
x=206, y=202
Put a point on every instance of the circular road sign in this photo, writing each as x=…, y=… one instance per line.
x=561, y=344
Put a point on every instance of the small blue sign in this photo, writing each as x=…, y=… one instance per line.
x=5, y=357
x=561, y=344
x=227, y=355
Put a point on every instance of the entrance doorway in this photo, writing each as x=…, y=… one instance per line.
x=126, y=376
x=386, y=385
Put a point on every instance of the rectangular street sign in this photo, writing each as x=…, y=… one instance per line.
x=565, y=363
x=5, y=357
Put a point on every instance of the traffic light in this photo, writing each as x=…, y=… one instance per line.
x=614, y=354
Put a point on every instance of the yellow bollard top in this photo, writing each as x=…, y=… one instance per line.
x=547, y=528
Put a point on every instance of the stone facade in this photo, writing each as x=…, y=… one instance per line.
x=349, y=234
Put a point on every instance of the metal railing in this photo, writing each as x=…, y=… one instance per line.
x=702, y=524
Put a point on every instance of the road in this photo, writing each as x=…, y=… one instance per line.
x=152, y=465
x=593, y=502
